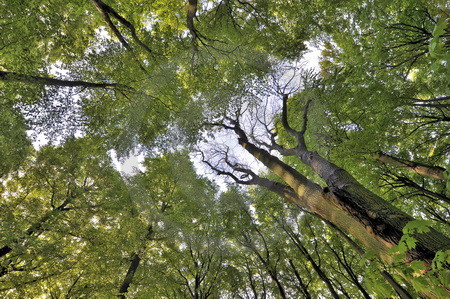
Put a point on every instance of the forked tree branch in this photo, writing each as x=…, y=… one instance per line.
x=107, y=11
x=298, y=135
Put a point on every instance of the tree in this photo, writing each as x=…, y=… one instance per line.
x=344, y=202
x=157, y=77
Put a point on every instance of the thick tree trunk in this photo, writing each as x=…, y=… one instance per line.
x=372, y=221
x=313, y=197
x=422, y=169
x=346, y=203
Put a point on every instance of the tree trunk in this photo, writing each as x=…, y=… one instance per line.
x=134, y=264
x=303, y=287
x=346, y=203
x=313, y=263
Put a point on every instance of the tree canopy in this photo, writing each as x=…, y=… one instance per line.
x=262, y=178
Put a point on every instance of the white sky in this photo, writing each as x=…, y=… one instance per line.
x=310, y=60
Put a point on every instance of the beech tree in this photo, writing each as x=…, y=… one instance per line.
x=315, y=214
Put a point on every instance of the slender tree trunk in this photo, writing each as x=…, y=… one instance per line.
x=250, y=279
x=422, y=169
x=280, y=287
x=401, y=292
x=303, y=287
x=353, y=277
x=106, y=11
x=134, y=264
x=310, y=259
x=265, y=262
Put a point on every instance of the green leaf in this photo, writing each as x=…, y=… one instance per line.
x=410, y=242
x=439, y=28
x=417, y=226
x=418, y=266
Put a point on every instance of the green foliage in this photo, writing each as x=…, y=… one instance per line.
x=14, y=144
x=70, y=223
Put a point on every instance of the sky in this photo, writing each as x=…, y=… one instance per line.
x=128, y=166
x=133, y=163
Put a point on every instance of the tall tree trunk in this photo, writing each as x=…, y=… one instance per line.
x=303, y=287
x=287, y=193
x=310, y=259
x=134, y=264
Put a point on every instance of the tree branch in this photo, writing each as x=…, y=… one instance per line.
x=106, y=11
x=22, y=78
x=436, y=172
x=299, y=135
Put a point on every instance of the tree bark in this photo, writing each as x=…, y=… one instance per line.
x=134, y=264
x=381, y=219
